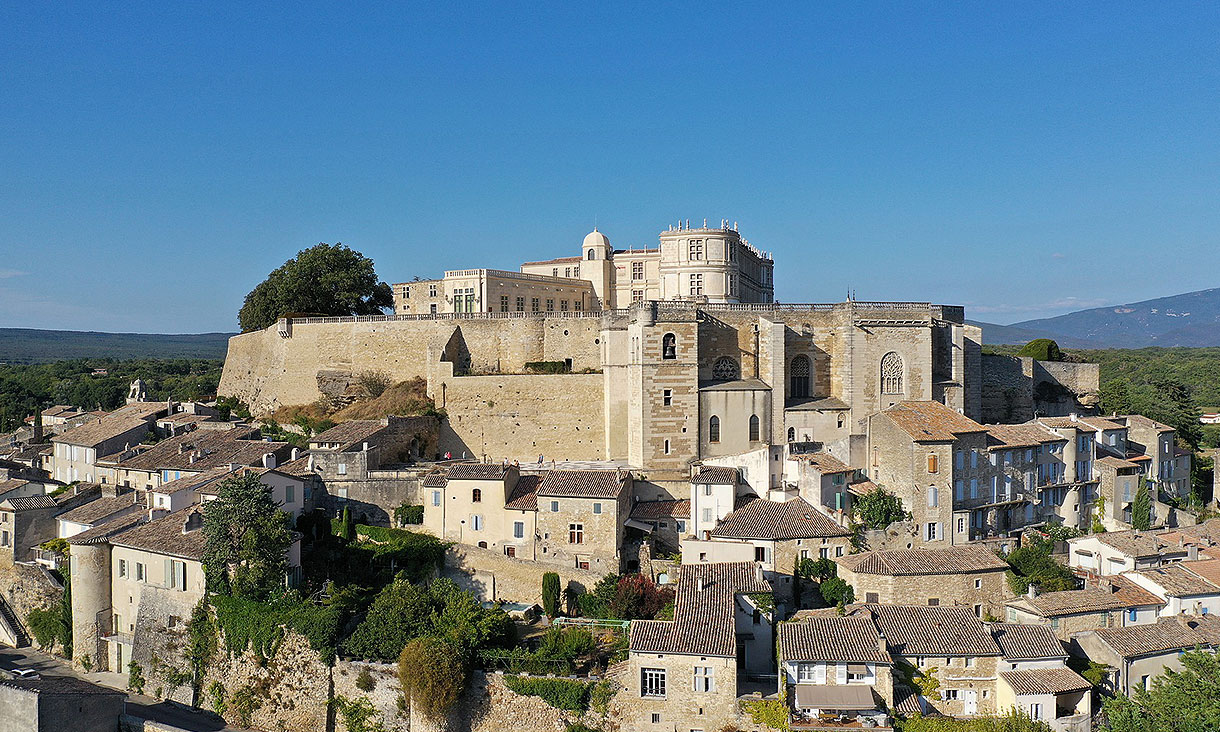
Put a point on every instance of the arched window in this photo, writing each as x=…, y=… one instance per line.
x=791, y=434
x=713, y=429
x=726, y=369
x=669, y=346
x=754, y=428
x=476, y=495
x=891, y=373
x=800, y=370
x=592, y=255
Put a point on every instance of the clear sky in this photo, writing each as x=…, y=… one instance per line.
x=158, y=160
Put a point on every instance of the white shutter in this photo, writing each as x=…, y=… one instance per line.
x=841, y=673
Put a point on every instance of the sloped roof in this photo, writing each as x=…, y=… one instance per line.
x=715, y=475
x=435, y=479
x=1066, y=423
x=1103, y=424
x=582, y=483
x=1074, y=602
x=351, y=433
x=835, y=639
x=1139, y=420
x=525, y=494
x=1030, y=434
x=95, y=433
x=211, y=449
x=703, y=611
x=763, y=519
x=1166, y=634
x=928, y=421
x=949, y=560
x=1020, y=642
x=477, y=471
x=1045, y=681
x=28, y=503
x=922, y=630
x=1178, y=581
x=100, y=508
x=166, y=535
x=824, y=462
x=653, y=510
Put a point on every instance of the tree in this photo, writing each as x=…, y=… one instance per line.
x=247, y=539
x=880, y=508
x=1141, y=507
x=1042, y=349
x=347, y=530
x=550, y=594
x=1179, y=701
x=432, y=676
x=1033, y=564
x=325, y=279
x=637, y=597
x=836, y=591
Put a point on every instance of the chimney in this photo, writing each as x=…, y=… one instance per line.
x=1073, y=416
x=365, y=447
x=311, y=462
x=1032, y=592
x=699, y=584
x=268, y=460
x=296, y=452
x=181, y=447
x=190, y=460
x=156, y=513
x=1192, y=552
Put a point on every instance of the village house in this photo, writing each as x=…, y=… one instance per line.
x=1115, y=552
x=1034, y=679
x=1137, y=654
x=1114, y=602
x=76, y=452
x=113, y=502
x=149, y=466
x=59, y=703
x=664, y=521
x=971, y=576
x=683, y=674
x=1184, y=590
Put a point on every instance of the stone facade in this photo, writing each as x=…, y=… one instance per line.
x=291, y=687
x=1018, y=388
x=984, y=591
x=490, y=575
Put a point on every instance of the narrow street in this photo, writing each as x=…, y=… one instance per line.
x=144, y=707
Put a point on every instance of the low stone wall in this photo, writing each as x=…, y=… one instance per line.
x=490, y=706
x=898, y=535
x=385, y=697
x=490, y=575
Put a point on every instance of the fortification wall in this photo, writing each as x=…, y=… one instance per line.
x=1016, y=388
x=489, y=575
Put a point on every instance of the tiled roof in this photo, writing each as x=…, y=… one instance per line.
x=921, y=630
x=1146, y=422
x=95, y=433
x=1110, y=461
x=1045, y=681
x=557, y=260
x=1208, y=569
x=950, y=560
x=824, y=462
x=1178, y=581
x=60, y=686
x=203, y=482
x=715, y=475
x=1103, y=424
x=12, y=484
x=211, y=449
x=1130, y=593
x=1073, y=602
x=435, y=479
x=1030, y=434
x=525, y=494
x=29, y=503
x=141, y=410
x=100, y=508
x=166, y=535
x=763, y=519
x=101, y=533
x=1066, y=423
x=1026, y=642
x=582, y=483
x=351, y=433
x=931, y=421
x=653, y=510
x=298, y=468
x=477, y=471
x=703, y=623
x=1166, y=634
x=833, y=639
x=906, y=701
x=1133, y=543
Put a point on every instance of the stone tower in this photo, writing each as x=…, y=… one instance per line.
x=597, y=267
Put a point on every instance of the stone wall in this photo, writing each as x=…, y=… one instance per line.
x=292, y=686
x=26, y=587
x=490, y=575
x=385, y=697
x=1016, y=388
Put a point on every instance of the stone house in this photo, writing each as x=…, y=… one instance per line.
x=582, y=516
x=835, y=667
x=823, y=480
x=1116, y=603
x=1034, y=678
x=149, y=466
x=664, y=521
x=1138, y=653
x=112, y=503
x=1035, y=479
x=58, y=703
x=714, y=491
x=683, y=673
x=369, y=466
x=1115, y=552
x=970, y=576
x=772, y=535
x=1166, y=465
x=25, y=522
x=75, y=453
x=1184, y=591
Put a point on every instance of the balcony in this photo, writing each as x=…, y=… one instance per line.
x=835, y=722
x=50, y=559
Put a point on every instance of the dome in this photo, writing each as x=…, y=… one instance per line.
x=596, y=239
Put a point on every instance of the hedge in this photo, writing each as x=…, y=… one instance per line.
x=560, y=693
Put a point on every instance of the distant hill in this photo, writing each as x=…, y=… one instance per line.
x=1188, y=320
x=28, y=345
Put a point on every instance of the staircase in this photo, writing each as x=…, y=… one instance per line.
x=11, y=630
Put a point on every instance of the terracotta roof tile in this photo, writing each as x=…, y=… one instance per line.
x=525, y=494
x=1045, y=681
x=653, y=510
x=166, y=535
x=825, y=463
x=1075, y=602
x=921, y=630
x=1026, y=642
x=583, y=483
x=763, y=519
x=1178, y=581
x=833, y=639
x=203, y=450
x=950, y=560
x=95, y=433
x=349, y=434
x=1066, y=423
x=29, y=503
x=435, y=479
x=715, y=475
x=931, y=421
x=1006, y=436
x=1166, y=634
x=100, y=508
x=703, y=621
x=477, y=471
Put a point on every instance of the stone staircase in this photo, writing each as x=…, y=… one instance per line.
x=11, y=630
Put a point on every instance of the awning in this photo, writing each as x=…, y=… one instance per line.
x=857, y=668
x=850, y=697
x=646, y=528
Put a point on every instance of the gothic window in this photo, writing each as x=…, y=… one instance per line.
x=669, y=346
x=800, y=370
x=725, y=369
x=891, y=373
x=754, y=428
x=713, y=429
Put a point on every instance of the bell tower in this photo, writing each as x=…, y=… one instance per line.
x=596, y=267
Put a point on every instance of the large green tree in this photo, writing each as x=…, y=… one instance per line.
x=879, y=508
x=327, y=279
x=1179, y=701
x=1141, y=507
x=247, y=539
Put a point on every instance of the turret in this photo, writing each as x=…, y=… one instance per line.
x=597, y=268
x=91, y=614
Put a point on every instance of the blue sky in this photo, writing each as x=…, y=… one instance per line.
x=157, y=160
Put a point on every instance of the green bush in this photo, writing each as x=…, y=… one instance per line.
x=1033, y=564
x=44, y=624
x=409, y=515
x=1042, y=349
x=550, y=594
x=563, y=694
x=879, y=508
x=836, y=591
x=260, y=626
x=1014, y=721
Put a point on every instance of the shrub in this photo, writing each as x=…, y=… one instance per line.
x=879, y=508
x=1042, y=349
x=135, y=677
x=432, y=676
x=547, y=367
x=407, y=515
x=44, y=624
x=836, y=591
x=365, y=681
x=359, y=715
x=260, y=626
x=550, y=594
x=563, y=694
x=372, y=384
